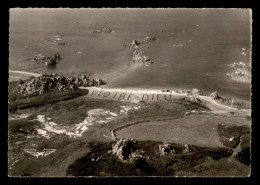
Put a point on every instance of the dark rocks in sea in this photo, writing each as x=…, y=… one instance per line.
x=141, y=57
x=49, y=61
x=53, y=60
x=46, y=82
x=241, y=72
x=61, y=43
x=135, y=43
x=104, y=30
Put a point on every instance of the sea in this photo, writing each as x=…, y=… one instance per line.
x=193, y=48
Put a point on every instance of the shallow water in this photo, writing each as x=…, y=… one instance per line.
x=193, y=50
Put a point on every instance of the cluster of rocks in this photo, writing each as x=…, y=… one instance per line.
x=135, y=43
x=225, y=100
x=141, y=57
x=46, y=82
x=166, y=149
x=49, y=61
x=229, y=101
x=196, y=92
x=241, y=70
x=214, y=95
x=104, y=30
x=137, y=155
x=123, y=148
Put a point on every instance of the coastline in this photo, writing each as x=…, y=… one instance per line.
x=213, y=104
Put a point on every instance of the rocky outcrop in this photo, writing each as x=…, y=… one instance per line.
x=47, y=82
x=49, y=61
x=196, y=92
x=123, y=148
x=166, y=149
x=136, y=43
x=214, y=95
x=141, y=57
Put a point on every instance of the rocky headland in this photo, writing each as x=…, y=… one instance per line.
x=47, y=82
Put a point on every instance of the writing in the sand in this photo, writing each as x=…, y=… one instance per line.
x=131, y=96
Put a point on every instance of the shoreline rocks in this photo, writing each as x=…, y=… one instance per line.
x=46, y=82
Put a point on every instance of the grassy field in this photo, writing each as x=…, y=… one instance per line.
x=73, y=111
x=197, y=129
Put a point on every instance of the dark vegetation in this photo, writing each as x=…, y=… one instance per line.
x=47, y=98
x=28, y=165
x=100, y=162
x=21, y=126
x=19, y=101
x=227, y=132
x=244, y=155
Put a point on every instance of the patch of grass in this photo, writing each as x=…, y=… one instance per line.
x=235, y=132
x=21, y=126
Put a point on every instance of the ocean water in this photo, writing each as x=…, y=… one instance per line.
x=193, y=49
